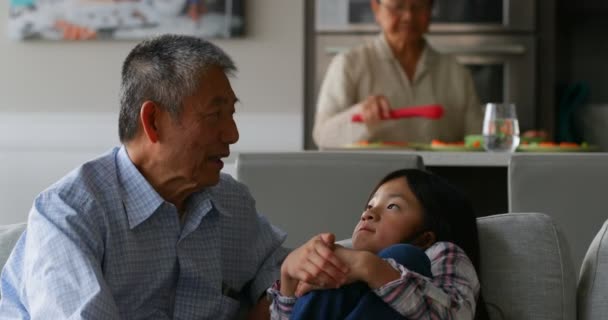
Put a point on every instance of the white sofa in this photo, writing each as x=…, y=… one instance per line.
x=592, y=295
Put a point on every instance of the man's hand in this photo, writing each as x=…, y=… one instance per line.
x=314, y=263
x=261, y=310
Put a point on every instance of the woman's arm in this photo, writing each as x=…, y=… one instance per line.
x=335, y=107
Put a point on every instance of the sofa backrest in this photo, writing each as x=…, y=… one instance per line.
x=569, y=187
x=305, y=193
x=592, y=295
x=526, y=271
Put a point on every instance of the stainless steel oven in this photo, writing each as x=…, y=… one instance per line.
x=447, y=16
x=502, y=66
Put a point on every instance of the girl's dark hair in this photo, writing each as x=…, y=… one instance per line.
x=447, y=212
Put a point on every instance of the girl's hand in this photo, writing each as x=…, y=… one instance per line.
x=314, y=263
x=367, y=267
x=354, y=259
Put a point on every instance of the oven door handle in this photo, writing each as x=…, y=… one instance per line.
x=511, y=49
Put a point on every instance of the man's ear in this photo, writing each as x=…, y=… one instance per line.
x=374, y=4
x=425, y=240
x=149, y=117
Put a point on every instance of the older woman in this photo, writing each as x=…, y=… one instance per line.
x=396, y=69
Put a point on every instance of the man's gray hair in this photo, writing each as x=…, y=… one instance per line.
x=165, y=69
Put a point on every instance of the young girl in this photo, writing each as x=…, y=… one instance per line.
x=415, y=255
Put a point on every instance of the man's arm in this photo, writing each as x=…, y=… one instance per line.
x=55, y=271
x=261, y=310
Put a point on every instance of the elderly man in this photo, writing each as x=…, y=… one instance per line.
x=152, y=230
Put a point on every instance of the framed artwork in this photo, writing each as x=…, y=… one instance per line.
x=123, y=19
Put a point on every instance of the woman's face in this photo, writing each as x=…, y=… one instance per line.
x=393, y=215
x=403, y=21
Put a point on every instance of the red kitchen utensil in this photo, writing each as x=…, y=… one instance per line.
x=432, y=111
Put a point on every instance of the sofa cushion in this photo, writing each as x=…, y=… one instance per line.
x=593, y=281
x=526, y=272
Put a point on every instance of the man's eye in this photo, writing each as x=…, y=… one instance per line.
x=214, y=115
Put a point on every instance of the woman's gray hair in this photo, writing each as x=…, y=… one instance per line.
x=165, y=69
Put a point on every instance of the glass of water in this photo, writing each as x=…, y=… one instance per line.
x=500, y=127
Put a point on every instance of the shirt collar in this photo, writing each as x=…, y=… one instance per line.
x=139, y=198
x=208, y=195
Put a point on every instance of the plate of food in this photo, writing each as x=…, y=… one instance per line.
x=557, y=147
x=380, y=145
x=438, y=145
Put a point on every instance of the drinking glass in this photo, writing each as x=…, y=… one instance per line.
x=500, y=127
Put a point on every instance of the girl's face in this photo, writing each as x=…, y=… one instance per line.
x=392, y=216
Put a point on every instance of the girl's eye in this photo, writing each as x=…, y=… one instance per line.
x=369, y=206
x=392, y=206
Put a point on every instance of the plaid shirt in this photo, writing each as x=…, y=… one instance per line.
x=450, y=294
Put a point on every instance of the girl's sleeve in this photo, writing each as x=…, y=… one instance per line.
x=281, y=306
x=450, y=294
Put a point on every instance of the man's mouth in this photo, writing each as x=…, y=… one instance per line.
x=217, y=159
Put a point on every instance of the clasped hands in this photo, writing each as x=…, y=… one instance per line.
x=321, y=264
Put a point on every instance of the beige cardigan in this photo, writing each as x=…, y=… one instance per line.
x=372, y=69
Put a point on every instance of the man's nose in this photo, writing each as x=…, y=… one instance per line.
x=230, y=134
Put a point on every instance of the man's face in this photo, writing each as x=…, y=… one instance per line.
x=194, y=145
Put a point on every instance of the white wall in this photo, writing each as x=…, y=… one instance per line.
x=60, y=99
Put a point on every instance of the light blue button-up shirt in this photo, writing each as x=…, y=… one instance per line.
x=102, y=244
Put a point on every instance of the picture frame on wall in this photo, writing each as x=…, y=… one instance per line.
x=124, y=19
